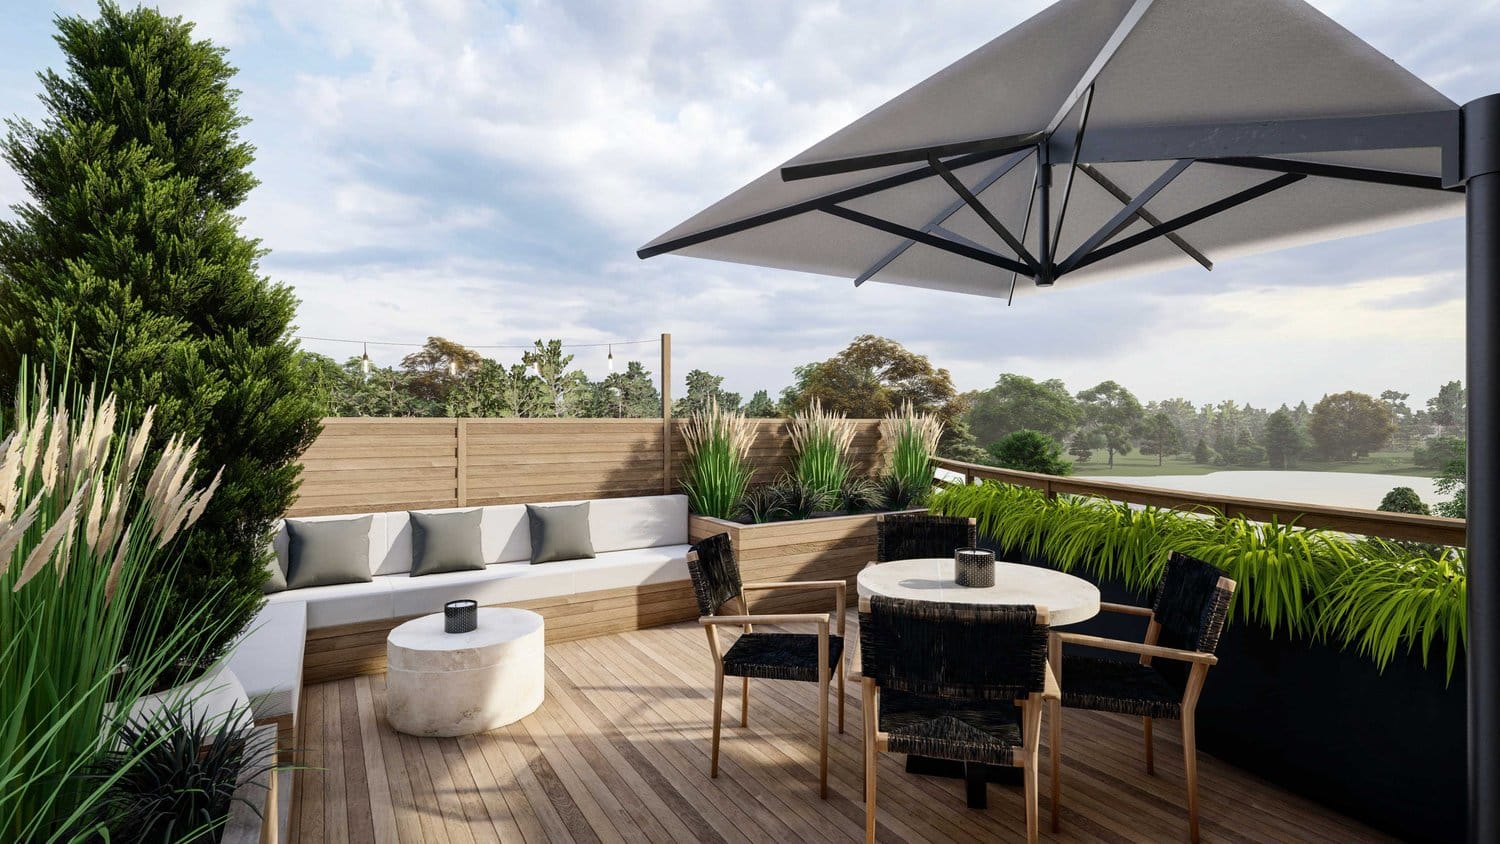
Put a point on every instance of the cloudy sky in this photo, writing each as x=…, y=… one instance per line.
x=485, y=170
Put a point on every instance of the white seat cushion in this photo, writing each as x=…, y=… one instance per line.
x=500, y=583
x=267, y=659
x=343, y=603
x=648, y=521
x=635, y=567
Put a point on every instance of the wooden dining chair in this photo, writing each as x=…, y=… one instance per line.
x=905, y=536
x=908, y=536
x=805, y=657
x=1192, y=603
x=962, y=682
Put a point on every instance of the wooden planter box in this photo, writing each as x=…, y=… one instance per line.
x=827, y=548
x=253, y=812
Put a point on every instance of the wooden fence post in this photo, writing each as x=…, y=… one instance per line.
x=461, y=491
x=666, y=414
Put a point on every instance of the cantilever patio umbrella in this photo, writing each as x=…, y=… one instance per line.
x=1102, y=138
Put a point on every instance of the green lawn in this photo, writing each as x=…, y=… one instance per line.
x=1137, y=465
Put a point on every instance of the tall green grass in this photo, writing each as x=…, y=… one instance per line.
x=85, y=514
x=718, y=461
x=911, y=440
x=820, y=445
x=1379, y=598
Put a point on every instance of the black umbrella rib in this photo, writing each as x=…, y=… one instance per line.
x=1336, y=171
x=1122, y=218
x=1190, y=218
x=926, y=238
x=1002, y=145
x=1119, y=193
x=814, y=204
x=984, y=213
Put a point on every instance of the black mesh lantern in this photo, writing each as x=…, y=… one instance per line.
x=974, y=567
x=460, y=616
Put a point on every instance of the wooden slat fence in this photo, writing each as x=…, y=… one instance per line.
x=365, y=464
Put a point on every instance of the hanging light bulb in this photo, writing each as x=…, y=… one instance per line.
x=364, y=361
x=611, y=358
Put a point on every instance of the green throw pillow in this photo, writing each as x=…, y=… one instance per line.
x=445, y=542
x=329, y=552
x=560, y=532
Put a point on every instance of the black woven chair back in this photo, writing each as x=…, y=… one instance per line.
x=906, y=537
x=1190, y=605
x=716, y=575
x=953, y=651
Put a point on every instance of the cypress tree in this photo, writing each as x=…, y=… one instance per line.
x=127, y=266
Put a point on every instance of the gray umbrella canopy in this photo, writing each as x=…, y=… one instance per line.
x=1101, y=138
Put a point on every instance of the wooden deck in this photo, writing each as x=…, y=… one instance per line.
x=619, y=752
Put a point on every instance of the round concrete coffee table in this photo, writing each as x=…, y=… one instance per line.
x=454, y=684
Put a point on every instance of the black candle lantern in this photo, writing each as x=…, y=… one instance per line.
x=460, y=616
x=974, y=567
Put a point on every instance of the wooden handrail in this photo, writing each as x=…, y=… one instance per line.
x=1403, y=526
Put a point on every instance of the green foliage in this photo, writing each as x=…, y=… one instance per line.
x=858, y=495
x=434, y=370
x=799, y=500
x=1376, y=596
x=820, y=444
x=1404, y=499
x=761, y=406
x=127, y=260
x=1160, y=436
x=1030, y=451
x=912, y=438
x=1019, y=403
x=1450, y=407
x=703, y=389
x=762, y=504
x=1438, y=452
x=1454, y=482
x=629, y=394
x=1112, y=412
x=89, y=521
x=900, y=493
x=172, y=775
x=491, y=389
x=1284, y=438
x=1202, y=453
x=718, y=464
x=1083, y=443
x=1349, y=424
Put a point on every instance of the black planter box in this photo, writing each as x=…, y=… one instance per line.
x=1386, y=748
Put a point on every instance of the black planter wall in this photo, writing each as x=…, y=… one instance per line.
x=1387, y=748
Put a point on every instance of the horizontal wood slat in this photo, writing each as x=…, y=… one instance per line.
x=364, y=465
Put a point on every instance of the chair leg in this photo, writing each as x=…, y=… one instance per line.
x=745, y=703
x=1150, y=762
x=823, y=737
x=871, y=761
x=713, y=764
x=1190, y=767
x=1029, y=774
x=1054, y=748
x=841, y=697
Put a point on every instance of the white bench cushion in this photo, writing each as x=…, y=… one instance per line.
x=267, y=659
x=343, y=603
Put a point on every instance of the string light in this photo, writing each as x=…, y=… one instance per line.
x=453, y=368
x=566, y=345
x=611, y=358
x=364, y=362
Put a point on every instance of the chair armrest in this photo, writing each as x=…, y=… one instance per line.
x=818, y=618
x=1051, y=691
x=1125, y=609
x=796, y=584
x=1137, y=648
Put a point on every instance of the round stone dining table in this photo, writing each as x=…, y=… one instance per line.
x=1068, y=599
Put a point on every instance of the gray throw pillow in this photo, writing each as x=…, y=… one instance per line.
x=277, y=581
x=560, y=532
x=328, y=552
x=445, y=542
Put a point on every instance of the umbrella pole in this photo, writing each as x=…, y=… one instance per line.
x=1481, y=163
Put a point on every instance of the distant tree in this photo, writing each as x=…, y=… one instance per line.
x=1348, y=425
x=565, y=388
x=1438, y=452
x=874, y=376
x=1111, y=411
x=1283, y=438
x=1030, y=451
x=1160, y=436
x=1246, y=452
x=1019, y=403
x=628, y=394
x=760, y=406
x=439, y=365
x=494, y=390
x=1404, y=499
x=1202, y=454
x=1454, y=482
x=1449, y=408
x=1082, y=445
x=704, y=388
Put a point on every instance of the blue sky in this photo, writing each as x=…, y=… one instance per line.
x=484, y=171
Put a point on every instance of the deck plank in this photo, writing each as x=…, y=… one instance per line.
x=620, y=749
